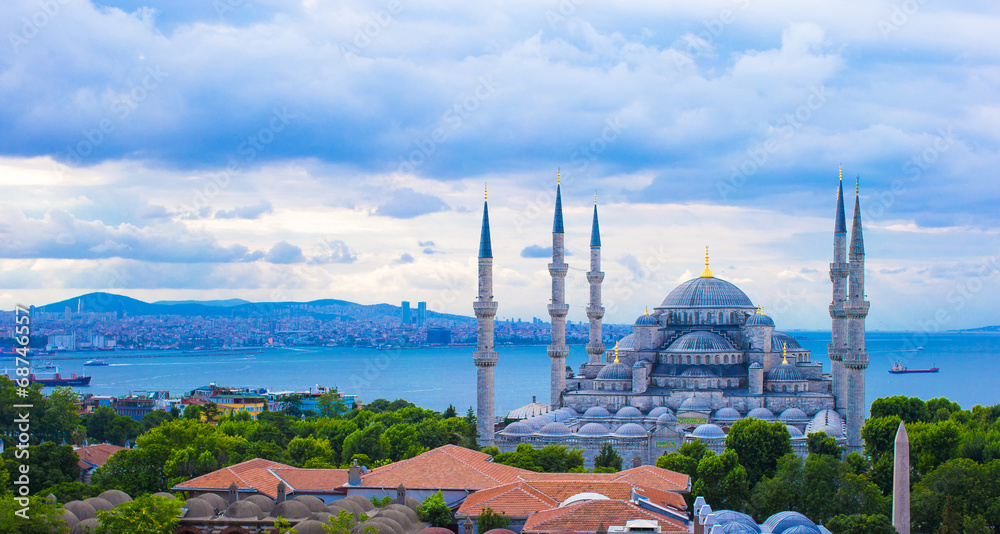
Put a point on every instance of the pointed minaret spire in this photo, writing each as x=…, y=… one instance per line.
x=485, y=357
x=857, y=358
x=595, y=311
x=840, y=225
x=857, y=239
x=558, y=307
x=838, y=275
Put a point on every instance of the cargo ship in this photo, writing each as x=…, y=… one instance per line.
x=48, y=375
x=900, y=369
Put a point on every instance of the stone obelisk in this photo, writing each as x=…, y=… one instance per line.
x=901, y=482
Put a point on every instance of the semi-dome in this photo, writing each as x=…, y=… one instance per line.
x=707, y=292
x=793, y=415
x=782, y=521
x=554, y=429
x=698, y=372
x=727, y=414
x=627, y=343
x=756, y=365
x=597, y=412
x=779, y=339
x=829, y=430
x=827, y=421
x=708, y=431
x=615, y=371
x=666, y=419
x=785, y=372
x=593, y=430
x=630, y=430
x=761, y=413
x=646, y=320
x=517, y=429
x=759, y=319
x=695, y=404
x=794, y=432
x=701, y=341
x=628, y=412
x=638, y=365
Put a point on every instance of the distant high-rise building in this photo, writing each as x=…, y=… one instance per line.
x=406, y=312
x=421, y=313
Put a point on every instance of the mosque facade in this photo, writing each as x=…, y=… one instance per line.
x=703, y=358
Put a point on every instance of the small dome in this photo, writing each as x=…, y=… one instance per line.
x=779, y=339
x=81, y=510
x=593, y=429
x=585, y=496
x=630, y=430
x=626, y=343
x=794, y=432
x=827, y=421
x=830, y=430
x=785, y=372
x=554, y=429
x=86, y=526
x=628, y=412
x=266, y=504
x=291, y=510
x=69, y=520
x=738, y=528
x=517, y=429
x=217, y=502
x=528, y=410
x=115, y=497
x=646, y=320
x=657, y=412
x=800, y=529
x=695, y=404
x=99, y=504
x=727, y=517
x=727, y=414
x=707, y=292
x=597, y=412
x=666, y=419
x=698, y=372
x=708, y=431
x=761, y=413
x=243, y=510
x=198, y=508
x=315, y=504
x=638, y=365
x=793, y=415
x=756, y=365
x=615, y=371
x=759, y=319
x=701, y=341
x=310, y=526
x=782, y=521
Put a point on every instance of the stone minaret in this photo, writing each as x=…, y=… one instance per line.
x=485, y=357
x=856, y=359
x=838, y=313
x=595, y=346
x=901, y=482
x=558, y=307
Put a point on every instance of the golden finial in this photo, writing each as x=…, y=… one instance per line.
x=707, y=273
x=616, y=352
x=558, y=176
x=758, y=311
x=485, y=191
x=857, y=185
x=784, y=354
x=595, y=197
x=647, y=310
x=841, y=173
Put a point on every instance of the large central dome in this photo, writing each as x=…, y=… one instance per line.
x=707, y=292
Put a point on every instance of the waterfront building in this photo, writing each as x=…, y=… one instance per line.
x=703, y=358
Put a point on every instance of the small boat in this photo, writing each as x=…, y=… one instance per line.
x=899, y=368
x=96, y=363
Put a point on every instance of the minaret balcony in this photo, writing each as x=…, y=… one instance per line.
x=857, y=309
x=595, y=312
x=558, y=310
x=558, y=351
x=484, y=358
x=485, y=308
x=837, y=311
x=595, y=277
x=839, y=270
x=836, y=353
x=558, y=270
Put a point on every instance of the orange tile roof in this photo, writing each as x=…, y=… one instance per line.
x=95, y=455
x=251, y=475
x=515, y=499
x=311, y=480
x=447, y=467
x=655, y=477
x=587, y=516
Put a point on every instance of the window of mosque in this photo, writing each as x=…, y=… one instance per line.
x=721, y=318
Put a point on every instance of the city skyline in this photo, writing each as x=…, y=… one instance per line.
x=295, y=151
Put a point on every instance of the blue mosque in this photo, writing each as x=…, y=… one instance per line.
x=703, y=358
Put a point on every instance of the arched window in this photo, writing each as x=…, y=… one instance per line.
x=697, y=359
x=688, y=358
x=721, y=318
x=725, y=359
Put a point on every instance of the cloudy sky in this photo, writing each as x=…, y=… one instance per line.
x=280, y=150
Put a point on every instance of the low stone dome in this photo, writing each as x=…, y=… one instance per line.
x=517, y=429
x=782, y=521
x=830, y=430
x=198, y=508
x=322, y=517
x=695, y=404
x=410, y=514
x=266, y=504
x=217, y=502
x=701, y=341
x=827, y=421
x=499, y=531
x=291, y=510
x=315, y=504
x=666, y=419
x=396, y=516
x=756, y=365
x=439, y=530
x=800, y=529
x=727, y=414
x=115, y=497
x=785, y=372
x=759, y=319
x=628, y=412
x=352, y=506
x=244, y=510
x=593, y=430
x=780, y=339
x=69, y=520
x=81, y=510
x=385, y=525
x=614, y=371
x=554, y=429
x=99, y=504
x=412, y=503
x=164, y=494
x=646, y=320
x=657, y=412
x=793, y=415
x=726, y=517
x=310, y=526
x=630, y=430
x=627, y=343
x=597, y=412
x=87, y=526
x=761, y=413
x=708, y=431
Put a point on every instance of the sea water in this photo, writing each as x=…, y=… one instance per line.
x=436, y=377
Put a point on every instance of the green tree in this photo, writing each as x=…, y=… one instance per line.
x=302, y=450
x=381, y=503
x=123, y=429
x=951, y=522
x=558, y=459
x=759, y=445
x=861, y=524
x=345, y=522
x=98, y=422
x=820, y=443
x=49, y=464
x=72, y=491
x=471, y=434
x=192, y=411
x=401, y=440
x=879, y=434
x=38, y=517
x=722, y=480
x=975, y=524
x=435, y=511
x=58, y=417
x=450, y=412
x=331, y=405
x=608, y=457
x=489, y=520
x=282, y=526
x=369, y=441
x=134, y=471
x=147, y=514
x=909, y=409
x=782, y=492
x=155, y=418
x=932, y=445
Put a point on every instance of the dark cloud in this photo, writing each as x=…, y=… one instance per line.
x=335, y=251
x=536, y=251
x=405, y=258
x=405, y=203
x=246, y=212
x=283, y=252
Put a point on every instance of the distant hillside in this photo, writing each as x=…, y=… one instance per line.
x=994, y=328
x=324, y=308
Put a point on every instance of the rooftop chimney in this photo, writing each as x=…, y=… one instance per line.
x=234, y=493
x=354, y=474
x=281, y=493
x=400, y=495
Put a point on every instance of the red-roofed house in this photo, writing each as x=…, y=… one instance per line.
x=590, y=514
x=261, y=477
x=92, y=457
